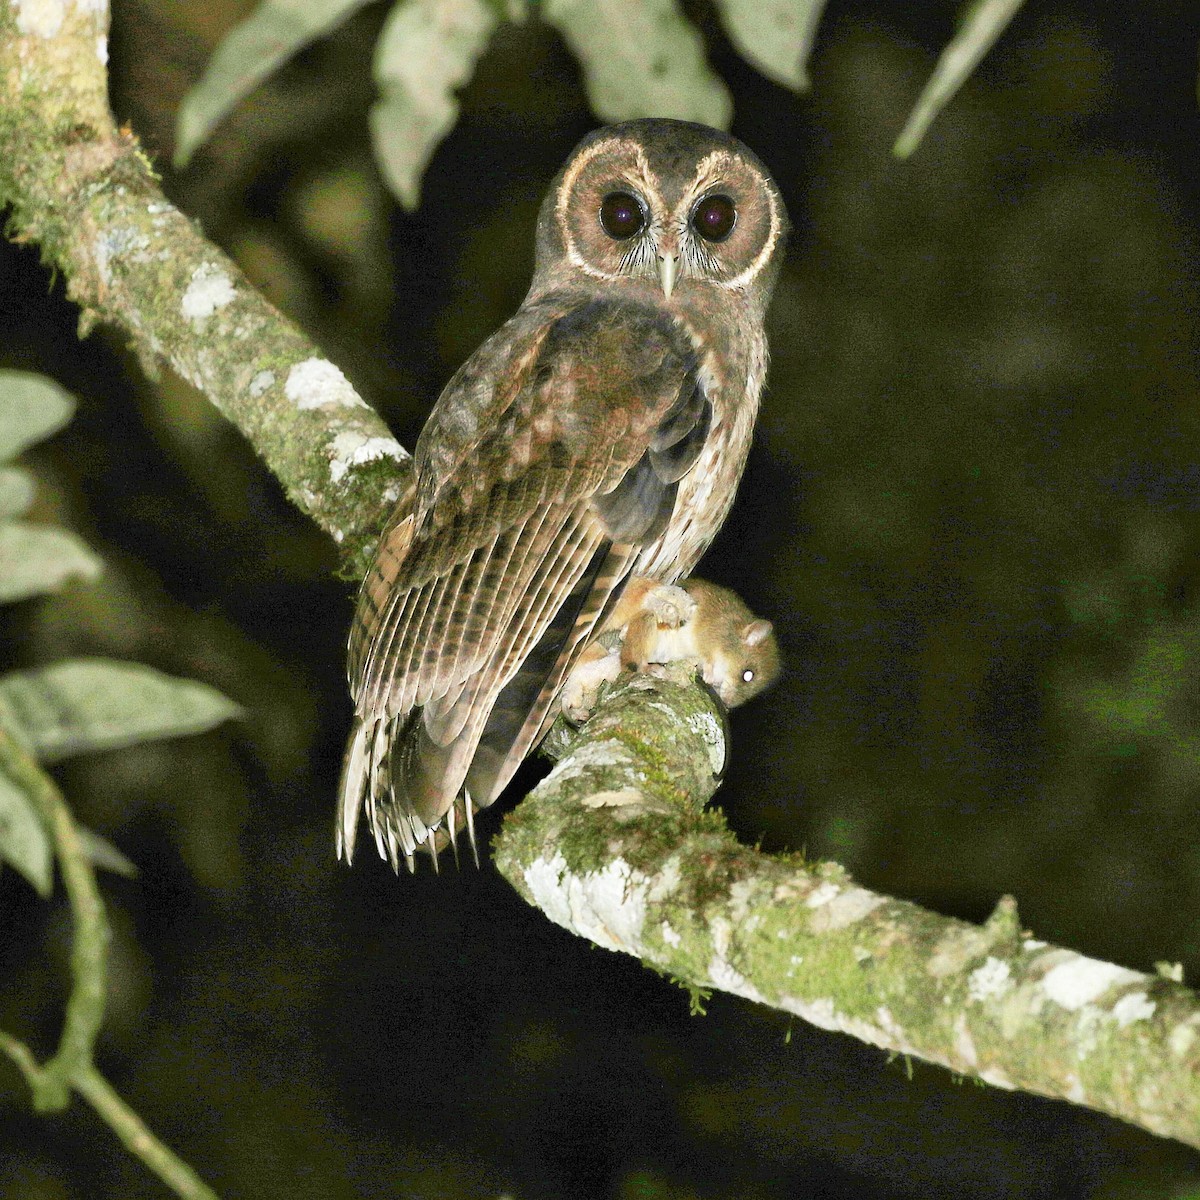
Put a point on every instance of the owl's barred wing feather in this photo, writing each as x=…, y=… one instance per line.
x=551, y=460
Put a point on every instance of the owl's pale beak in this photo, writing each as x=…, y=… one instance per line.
x=668, y=268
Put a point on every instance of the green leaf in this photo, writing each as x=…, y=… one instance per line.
x=97, y=704
x=641, y=58
x=254, y=48
x=32, y=407
x=16, y=491
x=104, y=854
x=982, y=24
x=776, y=36
x=427, y=50
x=24, y=842
x=35, y=559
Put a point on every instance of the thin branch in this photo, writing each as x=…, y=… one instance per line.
x=72, y=1066
x=616, y=846
x=22, y=1057
x=138, y=1139
x=89, y=948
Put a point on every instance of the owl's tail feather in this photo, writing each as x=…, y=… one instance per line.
x=524, y=710
x=411, y=771
x=415, y=784
x=352, y=788
x=364, y=784
x=394, y=758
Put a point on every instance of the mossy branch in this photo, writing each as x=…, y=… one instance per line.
x=82, y=190
x=615, y=844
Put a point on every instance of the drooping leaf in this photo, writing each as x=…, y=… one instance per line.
x=97, y=704
x=24, y=842
x=10, y=724
x=641, y=58
x=35, y=559
x=776, y=36
x=983, y=21
x=427, y=50
x=16, y=491
x=104, y=854
x=32, y=407
x=254, y=48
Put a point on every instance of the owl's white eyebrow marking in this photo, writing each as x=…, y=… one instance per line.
x=710, y=165
x=744, y=277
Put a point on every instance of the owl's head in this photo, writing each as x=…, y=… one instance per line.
x=669, y=203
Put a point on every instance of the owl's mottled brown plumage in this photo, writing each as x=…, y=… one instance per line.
x=601, y=432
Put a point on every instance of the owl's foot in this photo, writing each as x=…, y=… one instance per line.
x=596, y=666
x=670, y=606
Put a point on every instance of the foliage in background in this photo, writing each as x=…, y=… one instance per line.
x=640, y=58
x=75, y=707
x=969, y=508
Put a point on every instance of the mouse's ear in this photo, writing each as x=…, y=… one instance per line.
x=756, y=632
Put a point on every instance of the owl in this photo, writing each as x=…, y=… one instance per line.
x=599, y=434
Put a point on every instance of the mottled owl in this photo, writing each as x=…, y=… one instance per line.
x=597, y=435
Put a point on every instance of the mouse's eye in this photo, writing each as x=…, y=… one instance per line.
x=747, y=676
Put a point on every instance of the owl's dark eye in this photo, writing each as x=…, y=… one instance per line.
x=714, y=218
x=621, y=215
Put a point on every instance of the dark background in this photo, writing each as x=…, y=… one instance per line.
x=971, y=511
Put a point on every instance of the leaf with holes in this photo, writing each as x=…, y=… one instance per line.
x=427, y=50
x=641, y=58
x=776, y=36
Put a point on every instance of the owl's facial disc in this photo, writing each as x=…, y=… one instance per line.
x=609, y=210
x=730, y=221
x=669, y=212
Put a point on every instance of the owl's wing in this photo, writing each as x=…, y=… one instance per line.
x=552, y=459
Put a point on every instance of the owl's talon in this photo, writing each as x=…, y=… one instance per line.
x=670, y=605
